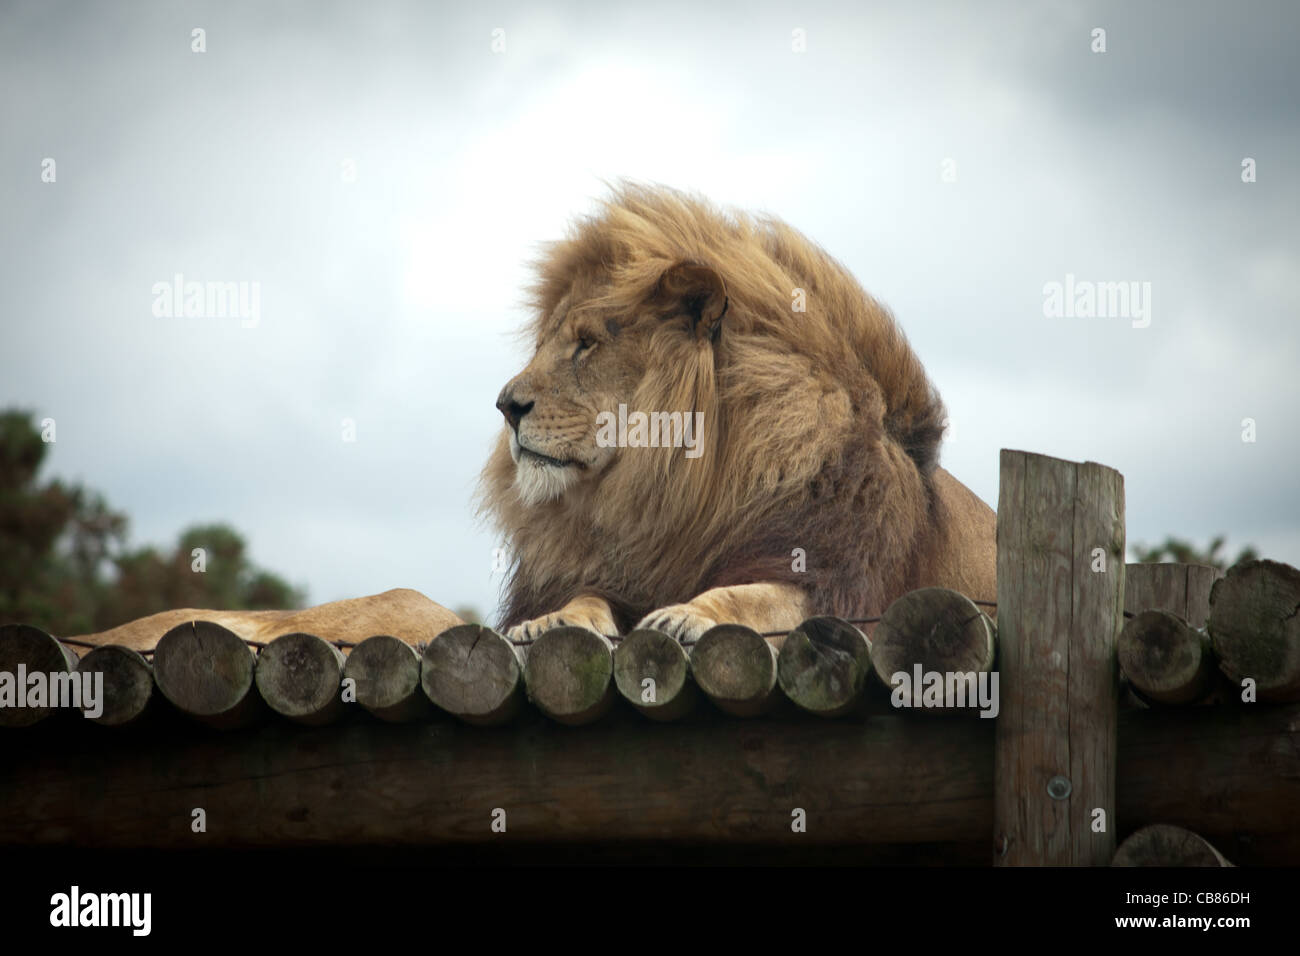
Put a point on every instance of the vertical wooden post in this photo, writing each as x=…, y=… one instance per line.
x=1182, y=589
x=1060, y=610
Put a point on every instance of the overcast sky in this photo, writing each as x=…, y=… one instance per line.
x=391, y=299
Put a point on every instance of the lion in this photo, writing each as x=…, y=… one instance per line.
x=717, y=425
x=810, y=485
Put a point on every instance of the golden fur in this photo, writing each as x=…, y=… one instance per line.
x=820, y=432
x=401, y=612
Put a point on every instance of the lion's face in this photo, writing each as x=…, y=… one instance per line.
x=588, y=363
x=595, y=356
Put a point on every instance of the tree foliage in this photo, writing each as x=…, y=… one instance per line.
x=1183, y=552
x=65, y=566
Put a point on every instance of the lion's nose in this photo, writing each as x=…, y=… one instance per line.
x=511, y=409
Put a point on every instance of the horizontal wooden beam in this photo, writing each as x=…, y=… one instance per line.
x=1231, y=775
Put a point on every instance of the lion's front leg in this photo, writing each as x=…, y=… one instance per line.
x=763, y=607
x=587, y=610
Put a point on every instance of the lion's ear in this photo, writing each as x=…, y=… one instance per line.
x=694, y=290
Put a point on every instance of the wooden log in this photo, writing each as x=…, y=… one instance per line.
x=299, y=676
x=1255, y=628
x=568, y=674
x=823, y=666
x=1162, y=844
x=385, y=672
x=1060, y=610
x=24, y=651
x=128, y=684
x=653, y=673
x=1231, y=775
x=1181, y=589
x=929, y=631
x=207, y=672
x=1166, y=661
x=736, y=668
x=475, y=674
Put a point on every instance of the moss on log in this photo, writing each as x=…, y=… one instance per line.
x=569, y=674
x=823, y=666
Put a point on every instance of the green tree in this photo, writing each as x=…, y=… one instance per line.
x=1183, y=552
x=64, y=565
x=221, y=576
x=54, y=538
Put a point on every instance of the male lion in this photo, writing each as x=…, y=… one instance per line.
x=786, y=465
x=813, y=485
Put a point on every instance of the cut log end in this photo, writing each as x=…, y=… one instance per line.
x=26, y=650
x=473, y=673
x=652, y=673
x=386, y=674
x=1165, y=660
x=299, y=676
x=1165, y=845
x=736, y=668
x=1255, y=627
x=206, y=671
x=569, y=674
x=937, y=629
x=823, y=666
x=127, y=684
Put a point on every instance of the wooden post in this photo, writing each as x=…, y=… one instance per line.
x=386, y=673
x=648, y=655
x=299, y=676
x=1060, y=609
x=1182, y=589
x=824, y=665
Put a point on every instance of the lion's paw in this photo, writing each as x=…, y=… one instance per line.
x=679, y=621
x=529, y=631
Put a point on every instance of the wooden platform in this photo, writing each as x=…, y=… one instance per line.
x=1129, y=697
